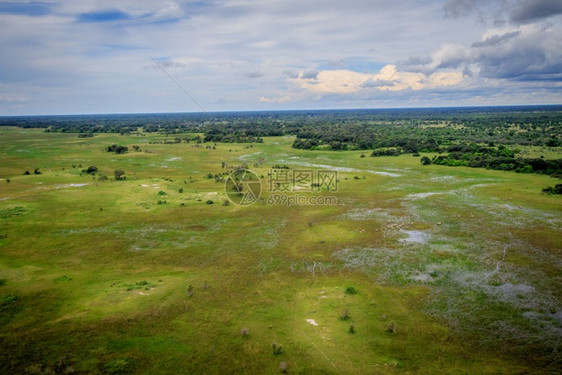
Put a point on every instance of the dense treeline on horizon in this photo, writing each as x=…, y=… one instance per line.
x=403, y=130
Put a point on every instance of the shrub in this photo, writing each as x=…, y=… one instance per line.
x=351, y=290
x=6, y=301
x=245, y=332
x=92, y=169
x=525, y=169
x=351, y=328
x=386, y=152
x=557, y=189
x=37, y=171
x=552, y=143
x=8, y=180
x=26, y=173
x=345, y=315
x=425, y=160
x=139, y=285
x=209, y=202
x=119, y=174
x=161, y=193
x=117, y=149
x=226, y=202
x=283, y=367
x=12, y=211
x=190, y=291
x=103, y=178
x=180, y=190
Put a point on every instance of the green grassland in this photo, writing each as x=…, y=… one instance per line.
x=457, y=270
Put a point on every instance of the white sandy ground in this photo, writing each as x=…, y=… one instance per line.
x=415, y=236
x=248, y=156
x=62, y=186
x=312, y=321
x=339, y=169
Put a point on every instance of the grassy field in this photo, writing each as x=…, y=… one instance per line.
x=456, y=270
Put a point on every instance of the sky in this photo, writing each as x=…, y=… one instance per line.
x=139, y=56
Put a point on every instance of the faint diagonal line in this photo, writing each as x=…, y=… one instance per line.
x=384, y=84
x=177, y=83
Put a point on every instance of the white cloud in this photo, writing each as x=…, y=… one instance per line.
x=349, y=82
x=279, y=99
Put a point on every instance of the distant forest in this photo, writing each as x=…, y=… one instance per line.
x=470, y=136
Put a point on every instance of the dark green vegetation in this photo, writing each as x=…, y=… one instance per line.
x=557, y=189
x=501, y=158
x=118, y=149
x=409, y=130
x=417, y=268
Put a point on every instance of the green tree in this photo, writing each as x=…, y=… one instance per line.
x=92, y=169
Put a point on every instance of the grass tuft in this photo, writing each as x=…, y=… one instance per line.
x=277, y=349
x=391, y=328
x=12, y=211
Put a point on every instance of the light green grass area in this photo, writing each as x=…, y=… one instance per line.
x=457, y=269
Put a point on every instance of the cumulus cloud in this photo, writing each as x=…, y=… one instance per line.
x=528, y=52
x=344, y=81
x=291, y=74
x=535, y=54
x=311, y=74
x=485, y=10
x=370, y=83
x=458, y=8
x=448, y=56
x=516, y=11
x=496, y=39
x=279, y=99
x=532, y=10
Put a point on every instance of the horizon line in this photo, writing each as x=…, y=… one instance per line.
x=285, y=110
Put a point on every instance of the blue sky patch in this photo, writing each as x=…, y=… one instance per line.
x=107, y=16
x=28, y=9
